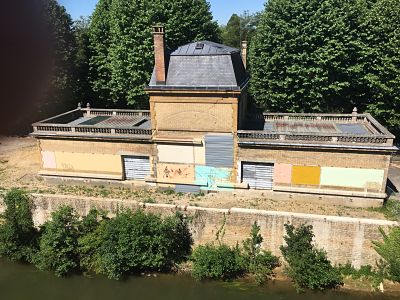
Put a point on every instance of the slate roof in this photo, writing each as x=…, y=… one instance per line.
x=204, y=65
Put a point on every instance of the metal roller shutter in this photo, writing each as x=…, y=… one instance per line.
x=136, y=167
x=258, y=175
x=219, y=151
x=186, y=188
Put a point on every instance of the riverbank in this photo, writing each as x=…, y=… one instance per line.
x=39, y=285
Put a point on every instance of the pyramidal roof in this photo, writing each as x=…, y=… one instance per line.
x=203, y=65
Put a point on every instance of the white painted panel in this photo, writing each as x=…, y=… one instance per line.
x=351, y=177
x=175, y=154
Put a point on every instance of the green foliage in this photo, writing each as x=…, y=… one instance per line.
x=122, y=46
x=389, y=250
x=58, y=243
x=224, y=262
x=328, y=55
x=391, y=209
x=17, y=232
x=81, y=86
x=217, y=262
x=258, y=262
x=239, y=28
x=381, y=57
x=304, y=56
x=307, y=266
x=59, y=95
x=136, y=242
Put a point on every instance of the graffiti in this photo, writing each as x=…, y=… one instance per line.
x=175, y=172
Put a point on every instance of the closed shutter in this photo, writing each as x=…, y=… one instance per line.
x=258, y=175
x=219, y=151
x=136, y=167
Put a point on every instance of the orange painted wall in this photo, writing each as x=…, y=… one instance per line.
x=307, y=175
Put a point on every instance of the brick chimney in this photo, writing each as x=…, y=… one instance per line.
x=159, y=53
x=244, y=53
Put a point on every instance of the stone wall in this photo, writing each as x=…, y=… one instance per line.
x=345, y=239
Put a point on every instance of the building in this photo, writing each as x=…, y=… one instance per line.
x=199, y=136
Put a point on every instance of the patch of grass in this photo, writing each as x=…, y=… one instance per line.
x=150, y=200
x=168, y=192
x=391, y=209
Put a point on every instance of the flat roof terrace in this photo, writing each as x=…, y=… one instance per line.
x=352, y=131
x=97, y=123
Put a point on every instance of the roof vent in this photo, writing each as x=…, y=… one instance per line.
x=199, y=46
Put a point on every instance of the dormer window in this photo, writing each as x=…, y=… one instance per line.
x=199, y=46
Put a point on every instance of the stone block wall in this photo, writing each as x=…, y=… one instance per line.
x=345, y=239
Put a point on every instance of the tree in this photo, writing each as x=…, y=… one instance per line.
x=122, y=45
x=305, y=56
x=59, y=95
x=307, y=266
x=17, y=232
x=389, y=250
x=231, y=34
x=81, y=86
x=239, y=28
x=381, y=52
x=58, y=243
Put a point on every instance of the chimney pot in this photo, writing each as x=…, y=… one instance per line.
x=159, y=53
x=244, y=53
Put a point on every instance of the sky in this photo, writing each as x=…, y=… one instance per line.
x=221, y=9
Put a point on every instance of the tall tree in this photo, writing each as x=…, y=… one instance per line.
x=239, y=28
x=381, y=37
x=306, y=56
x=122, y=46
x=59, y=95
x=231, y=34
x=82, y=89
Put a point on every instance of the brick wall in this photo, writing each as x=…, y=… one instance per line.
x=345, y=239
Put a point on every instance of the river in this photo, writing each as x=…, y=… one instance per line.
x=23, y=282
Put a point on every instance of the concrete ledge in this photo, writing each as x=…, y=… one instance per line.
x=80, y=175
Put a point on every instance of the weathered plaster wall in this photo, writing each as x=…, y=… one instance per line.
x=344, y=239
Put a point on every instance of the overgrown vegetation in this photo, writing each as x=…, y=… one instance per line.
x=17, y=233
x=224, y=262
x=391, y=209
x=306, y=265
x=389, y=250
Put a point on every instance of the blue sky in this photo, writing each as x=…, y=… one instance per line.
x=221, y=9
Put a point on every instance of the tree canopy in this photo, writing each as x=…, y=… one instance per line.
x=328, y=56
x=122, y=47
x=239, y=28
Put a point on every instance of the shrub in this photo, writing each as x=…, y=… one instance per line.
x=217, y=262
x=17, y=232
x=307, y=266
x=136, y=242
x=389, y=250
x=258, y=262
x=58, y=243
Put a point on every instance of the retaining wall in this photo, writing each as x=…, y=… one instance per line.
x=345, y=239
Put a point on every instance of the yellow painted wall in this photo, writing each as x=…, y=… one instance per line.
x=175, y=154
x=88, y=162
x=306, y=175
x=352, y=177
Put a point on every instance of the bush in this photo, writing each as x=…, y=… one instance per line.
x=17, y=232
x=58, y=243
x=307, y=266
x=258, y=262
x=217, y=262
x=389, y=250
x=136, y=242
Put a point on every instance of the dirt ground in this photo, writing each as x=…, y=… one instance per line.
x=20, y=163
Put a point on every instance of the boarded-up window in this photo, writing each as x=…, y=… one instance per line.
x=306, y=175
